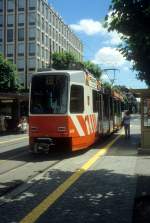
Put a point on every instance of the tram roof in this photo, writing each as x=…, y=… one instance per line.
x=79, y=76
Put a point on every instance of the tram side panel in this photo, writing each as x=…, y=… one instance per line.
x=85, y=120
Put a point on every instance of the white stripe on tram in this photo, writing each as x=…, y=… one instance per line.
x=77, y=125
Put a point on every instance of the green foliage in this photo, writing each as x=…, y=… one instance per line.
x=106, y=85
x=93, y=68
x=62, y=61
x=8, y=76
x=65, y=61
x=132, y=19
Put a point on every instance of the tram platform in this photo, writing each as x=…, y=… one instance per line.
x=115, y=188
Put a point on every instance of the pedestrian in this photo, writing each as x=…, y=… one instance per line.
x=126, y=124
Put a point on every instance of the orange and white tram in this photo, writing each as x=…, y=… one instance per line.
x=69, y=109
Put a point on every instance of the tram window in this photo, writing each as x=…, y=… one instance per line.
x=49, y=94
x=95, y=101
x=77, y=99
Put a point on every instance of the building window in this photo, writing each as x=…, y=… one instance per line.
x=32, y=18
x=39, y=20
x=10, y=5
x=10, y=50
x=77, y=99
x=39, y=51
x=21, y=19
x=1, y=35
x=31, y=49
x=21, y=34
x=38, y=35
x=43, y=39
x=32, y=4
x=20, y=64
x=10, y=20
x=1, y=20
x=10, y=35
x=31, y=63
x=1, y=5
x=32, y=33
x=39, y=5
x=1, y=48
x=21, y=5
x=21, y=49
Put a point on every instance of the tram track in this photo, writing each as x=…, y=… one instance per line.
x=19, y=187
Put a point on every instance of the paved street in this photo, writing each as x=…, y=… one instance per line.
x=96, y=185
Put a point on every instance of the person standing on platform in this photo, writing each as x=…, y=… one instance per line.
x=126, y=124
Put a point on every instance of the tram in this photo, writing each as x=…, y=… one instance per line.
x=70, y=109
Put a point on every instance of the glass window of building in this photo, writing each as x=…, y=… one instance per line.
x=1, y=48
x=43, y=24
x=32, y=18
x=43, y=52
x=43, y=8
x=1, y=35
x=1, y=5
x=39, y=64
x=39, y=50
x=10, y=5
x=1, y=20
x=38, y=35
x=32, y=33
x=31, y=49
x=31, y=63
x=10, y=50
x=21, y=49
x=21, y=34
x=21, y=4
x=10, y=20
x=20, y=63
x=46, y=13
x=39, y=5
x=43, y=38
x=32, y=4
x=39, y=20
x=10, y=35
x=21, y=19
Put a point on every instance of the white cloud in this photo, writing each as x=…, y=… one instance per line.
x=108, y=56
x=113, y=38
x=91, y=27
x=88, y=26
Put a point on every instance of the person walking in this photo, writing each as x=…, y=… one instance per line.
x=126, y=124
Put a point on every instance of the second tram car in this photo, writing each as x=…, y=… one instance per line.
x=69, y=108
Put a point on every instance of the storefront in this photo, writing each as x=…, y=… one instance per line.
x=12, y=107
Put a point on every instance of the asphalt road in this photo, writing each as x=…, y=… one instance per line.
x=96, y=185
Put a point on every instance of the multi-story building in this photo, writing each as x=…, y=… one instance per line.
x=30, y=31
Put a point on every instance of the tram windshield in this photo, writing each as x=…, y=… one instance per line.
x=49, y=94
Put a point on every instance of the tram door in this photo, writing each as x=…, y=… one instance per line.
x=100, y=113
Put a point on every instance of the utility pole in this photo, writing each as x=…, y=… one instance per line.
x=112, y=80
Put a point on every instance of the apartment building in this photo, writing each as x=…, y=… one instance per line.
x=30, y=31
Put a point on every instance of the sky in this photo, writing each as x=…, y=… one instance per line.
x=86, y=18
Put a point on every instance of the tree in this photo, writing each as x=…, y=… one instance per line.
x=93, y=68
x=62, y=61
x=65, y=61
x=132, y=19
x=8, y=76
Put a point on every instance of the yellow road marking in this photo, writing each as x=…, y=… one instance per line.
x=51, y=198
x=13, y=140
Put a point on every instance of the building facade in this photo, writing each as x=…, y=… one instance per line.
x=30, y=31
